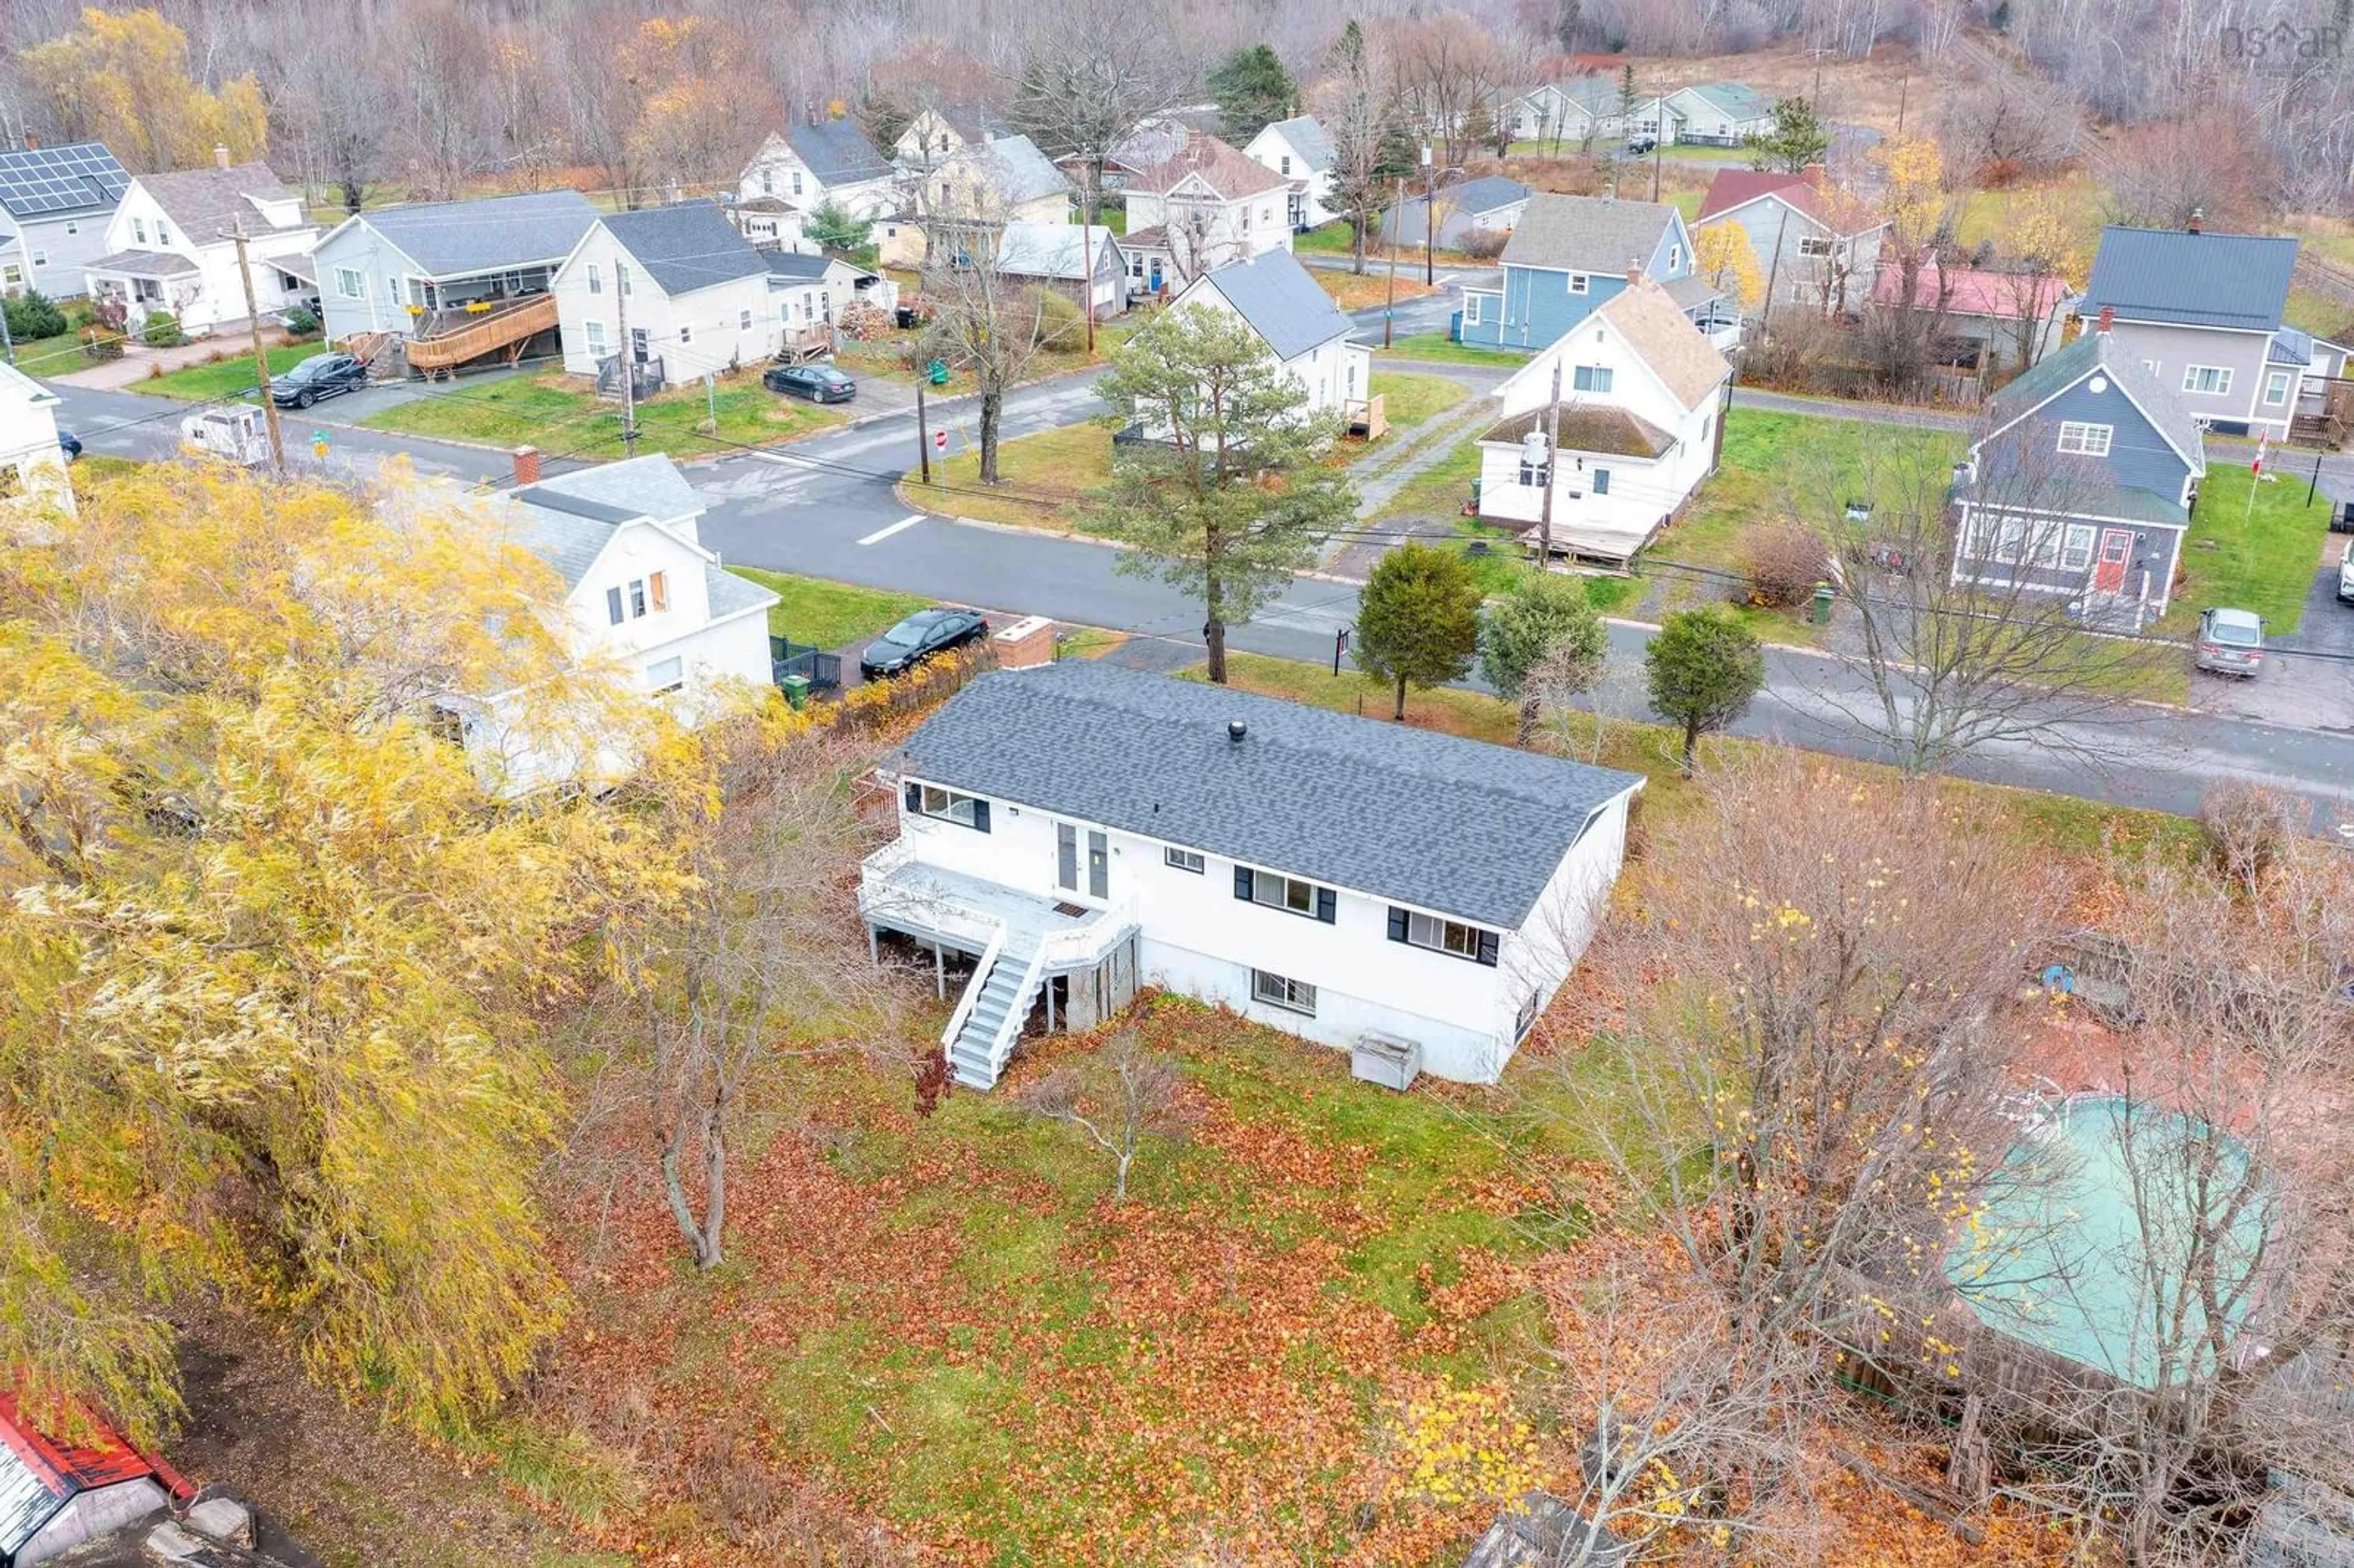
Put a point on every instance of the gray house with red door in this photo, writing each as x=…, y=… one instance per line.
x=2081, y=485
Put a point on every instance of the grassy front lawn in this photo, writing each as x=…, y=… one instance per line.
x=828, y=614
x=226, y=377
x=1408, y=400
x=1438, y=347
x=1352, y=293
x=1042, y=479
x=1778, y=465
x=1338, y=238
x=2261, y=560
x=557, y=414
x=46, y=357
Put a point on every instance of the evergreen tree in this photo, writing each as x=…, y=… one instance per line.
x=1797, y=139
x=1253, y=90
x=1418, y=619
x=1704, y=668
x=1542, y=618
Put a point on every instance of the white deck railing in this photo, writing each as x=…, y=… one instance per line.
x=972, y=988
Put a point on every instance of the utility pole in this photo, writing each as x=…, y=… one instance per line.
x=627, y=361
x=923, y=427
x=1429, y=215
x=1389, y=309
x=7, y=342
x=260, y=356
x=1904, y=87
x=1552, y=472
x=1659, y=134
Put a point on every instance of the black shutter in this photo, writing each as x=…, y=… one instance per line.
x=915, y=796
x=980, y=815
x=1328, y=905
x=1398, y=923
x=1243, y=882
x=1487, y=949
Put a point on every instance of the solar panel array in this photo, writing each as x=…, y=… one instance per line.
x=60, y=179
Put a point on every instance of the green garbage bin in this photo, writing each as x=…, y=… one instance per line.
x=1822, y=611
x=937, y=372
x=796, y=689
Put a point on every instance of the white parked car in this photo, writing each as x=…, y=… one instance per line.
x=2346, y=577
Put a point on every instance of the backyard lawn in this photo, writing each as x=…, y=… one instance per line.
x=1042, y=479
x=1437, y=346
x=1409, y=399
x=1353, y=293
x=828, y=614
x=224, y=379
x=555, y=414
x=1777, y=464
x=2261, y=559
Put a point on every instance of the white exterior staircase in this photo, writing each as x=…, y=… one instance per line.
x=981, y=1035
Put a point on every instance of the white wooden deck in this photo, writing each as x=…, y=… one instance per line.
x=963, y=913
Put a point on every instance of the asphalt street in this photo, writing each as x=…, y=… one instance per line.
x=825, y=507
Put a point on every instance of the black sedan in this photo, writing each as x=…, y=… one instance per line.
x=919, y=638
x=818, y=383
x=321, y=375
x=70, y=444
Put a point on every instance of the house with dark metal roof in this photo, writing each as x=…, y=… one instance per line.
x=434, y=268
x=2204, y=312
x=820, y=159
x=1568, y=256
x=1490, y=206
x=1307, y=333
x=171, y=246
x=1076, y=830
x=54, y=206
x=2083, y=485
x=695, y=292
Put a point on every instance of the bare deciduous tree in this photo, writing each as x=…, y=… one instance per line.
x=1127, y=1096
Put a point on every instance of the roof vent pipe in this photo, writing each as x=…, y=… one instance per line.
x=2197, y=218
x=1235, y=730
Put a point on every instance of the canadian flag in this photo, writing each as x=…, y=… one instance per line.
x=2263, y=443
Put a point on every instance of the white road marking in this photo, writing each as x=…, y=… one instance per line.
x=880, y=535
x=783, y=460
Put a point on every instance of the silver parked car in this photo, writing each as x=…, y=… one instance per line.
x=2231, y=642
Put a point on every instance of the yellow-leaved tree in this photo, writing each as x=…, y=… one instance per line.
x=2044, y=241
x=123, y=80
x=1725, y=258
x=274, y=955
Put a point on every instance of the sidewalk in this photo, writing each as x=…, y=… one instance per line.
x=138, y=361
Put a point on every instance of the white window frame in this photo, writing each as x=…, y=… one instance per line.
x=163, y=232
x=595, y=332
x=73, y=226
x=1675, y=258
x=1280, y=990
x=2081, y=438
x=2276, y=385
x=685, y=333
x=2192, y=373
x=596, y=279
x=947, y=805
x=1814, y=247
x=1579, y=284
x=1440, y=936
x=40, y=258
x=1471, y=310
x=139, y=231
x=351, y=283
x=1177, y=859
x=744, y=320
x=2010, y=540
x=2076, y=547
x=797, y=182
x=1593, y=378
x=665, y=676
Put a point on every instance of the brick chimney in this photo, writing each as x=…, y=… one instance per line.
x=220, y=153
x=1025, y=644
x=2198, y=220
x=1634, y=274
x=526, y=465
x=2108, y=318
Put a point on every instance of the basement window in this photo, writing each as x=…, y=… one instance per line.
x=1276, y=991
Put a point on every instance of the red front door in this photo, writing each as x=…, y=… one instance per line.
x=2117, y=547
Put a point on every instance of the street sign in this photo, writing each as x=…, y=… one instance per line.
x=939, y=440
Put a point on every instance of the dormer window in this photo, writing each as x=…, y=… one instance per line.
x=1286, y=166
x=163, y=232
x=139, y=230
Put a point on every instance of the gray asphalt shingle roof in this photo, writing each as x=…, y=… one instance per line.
x=2063, y=368
x=1588, y=234
x=1307, y=139
x=2191, y=280
x=1282, y=302
x=1484, y=194
x=649, y=486
x=453, y=238
x=1018, y=171
x=207, y=203
x=1737, y=100
x=1456, y=826
x=732, y=595
x=685, y=246
x=837, y=152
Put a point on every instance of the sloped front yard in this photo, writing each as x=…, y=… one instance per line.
x=561, y=416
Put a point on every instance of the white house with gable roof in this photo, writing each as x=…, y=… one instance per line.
x=1640, y=422
x=1302, y=327
x=642, y=594
x=170, y=246
x=32, y=465
x=1077, y=831
x=697, y=293
x=1300, y=150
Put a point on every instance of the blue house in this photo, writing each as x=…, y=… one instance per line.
x=2081, y=486
x=1568, y=256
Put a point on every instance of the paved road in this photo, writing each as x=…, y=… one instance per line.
x=825, y=507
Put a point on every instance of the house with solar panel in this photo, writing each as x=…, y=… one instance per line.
x=170, y=246
x=443, y=284
x=54, y=207
x=1069, y=832
x=2202, y=313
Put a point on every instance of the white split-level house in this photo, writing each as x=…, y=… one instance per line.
x=1300, y=324
x=641, y=595
x=1204, y=208
x=1079, y=830
x=32, y=465
x=1300, y=150
x=1641, y=424
x=820, y=161
x=54, y=204
x=169, y=246
x=696, y=294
